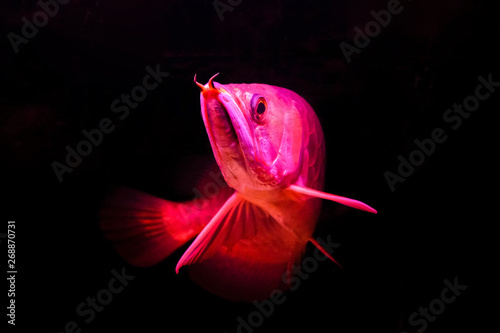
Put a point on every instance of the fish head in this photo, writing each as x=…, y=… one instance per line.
x=256, y=133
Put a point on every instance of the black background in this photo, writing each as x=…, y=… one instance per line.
x=437, y=225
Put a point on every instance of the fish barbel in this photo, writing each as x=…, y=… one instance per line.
x=269, y=146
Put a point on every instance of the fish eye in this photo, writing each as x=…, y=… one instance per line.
x=259, y=107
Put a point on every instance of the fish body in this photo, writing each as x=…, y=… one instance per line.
x=269, y=146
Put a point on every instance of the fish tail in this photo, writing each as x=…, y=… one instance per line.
x=145, y=229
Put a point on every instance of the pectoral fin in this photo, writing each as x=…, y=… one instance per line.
x=337, y=198
x=203, y=245
x=243, y=253
x=241, y=228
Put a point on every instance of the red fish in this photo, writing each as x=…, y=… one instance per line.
x=269, y=146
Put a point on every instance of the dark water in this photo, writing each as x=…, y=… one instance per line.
x=396, y=88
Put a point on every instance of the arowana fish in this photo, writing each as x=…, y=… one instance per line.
x=269, y=146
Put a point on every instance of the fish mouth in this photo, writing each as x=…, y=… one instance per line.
x=221, y=128
x=232, y=139
x=223, y=121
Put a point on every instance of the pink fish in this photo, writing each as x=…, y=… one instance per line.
x=269, y=146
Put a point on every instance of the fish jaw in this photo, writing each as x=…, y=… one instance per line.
x=234, y=143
